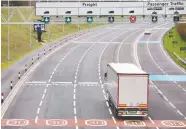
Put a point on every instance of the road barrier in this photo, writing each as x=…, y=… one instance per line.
x=11, y=85
x=25, y=68
x=19, y=75
x=2, y=98
x=182, y=60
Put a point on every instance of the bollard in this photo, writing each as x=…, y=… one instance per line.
x=25, y=68
x=50, y=48
x=11, y=85
x=38, y=56
x=19, y=75
x=2, y=98
x=32, y=61
x=55, y=44
x=44, y=51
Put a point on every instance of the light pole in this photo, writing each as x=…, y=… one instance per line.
x=30, y=26
x=8, y=35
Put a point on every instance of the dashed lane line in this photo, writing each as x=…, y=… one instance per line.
x=160, y=67
x=77, y=69
x=137, y=60
x=43, y=96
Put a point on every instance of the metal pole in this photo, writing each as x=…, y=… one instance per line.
x=30, y=26
x=8, y=35
x=63, y=28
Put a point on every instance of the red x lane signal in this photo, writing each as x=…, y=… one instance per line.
x=132, y=19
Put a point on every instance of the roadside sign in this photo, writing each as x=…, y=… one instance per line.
x=182, y=48
x=68, y=19
x=89, y=19
x=42, y=26
x=111, y=19
x=154, y=18
x=174, y=42
x=132, y=19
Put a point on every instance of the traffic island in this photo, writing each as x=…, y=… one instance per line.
x=175, y=44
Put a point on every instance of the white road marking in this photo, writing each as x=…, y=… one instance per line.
x=63, y=82
x=74, y=110
x=35, y=82
x=151, y=120
x=159, y=66
x=104, y=92
x=38, y=110
x=36, y=119
x=172, y=105
x=107, y=104
x=45, y=90
x=75, y=117
x=179, y=112
x=74, y=90
x=74, y=96
x=113, y=119
x=40, y=103
x=43, y=96
x=110, y=111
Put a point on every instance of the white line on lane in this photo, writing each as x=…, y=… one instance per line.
x=43, y=96
x=158, y=65
x=137, y=61
x=74, y=110
x=75, y=118
x=38, y=110
x=110, y=111
x=36, y=119
x=151, y=120
x=40, y=103
x=45, y=90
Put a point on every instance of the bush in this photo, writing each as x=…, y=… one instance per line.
x=181, y=29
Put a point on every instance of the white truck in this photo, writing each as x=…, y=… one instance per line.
x=127, y=90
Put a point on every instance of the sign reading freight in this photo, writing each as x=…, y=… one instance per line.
x=103, y=8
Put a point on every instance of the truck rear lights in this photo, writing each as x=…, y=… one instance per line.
x=143, y=105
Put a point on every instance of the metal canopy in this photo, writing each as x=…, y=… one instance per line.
x=107, y=8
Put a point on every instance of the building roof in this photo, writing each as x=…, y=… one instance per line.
x=126, y=68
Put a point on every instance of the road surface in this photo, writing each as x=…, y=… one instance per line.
x=67, y=88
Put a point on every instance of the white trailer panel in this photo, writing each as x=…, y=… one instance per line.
x=112, y=86
x=133, y=90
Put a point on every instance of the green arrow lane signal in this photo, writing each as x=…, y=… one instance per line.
x=46, y=19
x=89, y=19
x=68, y=19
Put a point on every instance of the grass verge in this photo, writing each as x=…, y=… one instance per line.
x=19, y=39
x=171, y=48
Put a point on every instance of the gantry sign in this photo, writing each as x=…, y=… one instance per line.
x=112, y=8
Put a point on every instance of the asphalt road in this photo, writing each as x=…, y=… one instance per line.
x=70, y=82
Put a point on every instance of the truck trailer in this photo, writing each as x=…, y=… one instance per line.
x=127, y=90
